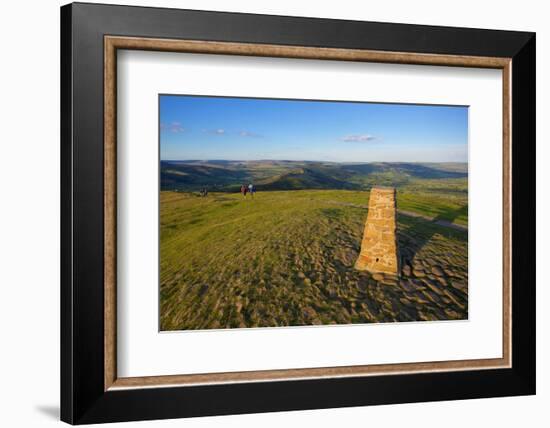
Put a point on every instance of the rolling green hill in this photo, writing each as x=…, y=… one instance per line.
x=227, y=176
x=286, y=257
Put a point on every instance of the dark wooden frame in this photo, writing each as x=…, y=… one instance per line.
x=114, y=43
x=89, y=33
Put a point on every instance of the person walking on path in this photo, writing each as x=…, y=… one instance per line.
x=244, y=189
x=251, y=190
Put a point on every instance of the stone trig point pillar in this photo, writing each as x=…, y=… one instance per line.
x=379, y=246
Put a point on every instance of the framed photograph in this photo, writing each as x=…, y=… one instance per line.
x=266, y=213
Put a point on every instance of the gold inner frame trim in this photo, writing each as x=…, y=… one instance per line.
x=113, y=43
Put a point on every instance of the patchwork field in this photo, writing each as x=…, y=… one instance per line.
x=285, y=257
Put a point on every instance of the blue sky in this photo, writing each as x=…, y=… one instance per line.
x=193, y=127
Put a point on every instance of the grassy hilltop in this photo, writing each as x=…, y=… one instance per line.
x=286, y=257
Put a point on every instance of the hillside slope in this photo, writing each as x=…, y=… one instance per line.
x=297, y=175
x=286, y=258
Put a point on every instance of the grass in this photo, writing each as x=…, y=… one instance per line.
x=452, y=209
x=286, y=258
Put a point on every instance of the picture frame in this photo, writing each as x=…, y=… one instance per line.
x=91, y=35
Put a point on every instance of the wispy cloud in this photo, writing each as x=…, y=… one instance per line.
x=362, y=138
x=173, y=127
x=222, y=131
x=249, y=134
x=217, y=131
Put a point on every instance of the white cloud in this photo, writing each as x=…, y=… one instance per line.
x=359, y=138
x=216, y=131
x=173, y=127
x=249, y=134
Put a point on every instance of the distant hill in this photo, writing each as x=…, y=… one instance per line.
x=304, y=178
x=224, y=175
x=192, y=176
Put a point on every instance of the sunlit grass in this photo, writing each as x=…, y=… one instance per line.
x=280, y=258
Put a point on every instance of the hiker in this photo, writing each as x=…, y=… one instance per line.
x=251, y=189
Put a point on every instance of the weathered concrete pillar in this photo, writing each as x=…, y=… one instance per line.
x=379, y=251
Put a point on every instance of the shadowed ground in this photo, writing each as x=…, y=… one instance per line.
x=286, y=258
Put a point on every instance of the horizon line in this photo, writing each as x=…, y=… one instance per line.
x=302, y=160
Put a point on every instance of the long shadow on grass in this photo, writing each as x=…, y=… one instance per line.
x=420, y=231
